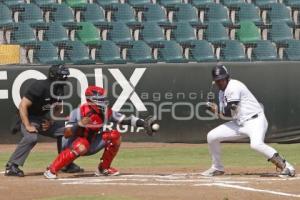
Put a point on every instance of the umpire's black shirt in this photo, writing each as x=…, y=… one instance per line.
x=40, y=95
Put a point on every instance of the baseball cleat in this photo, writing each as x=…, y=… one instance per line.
x=288, y=171
x=212, y=172
x=13, y=170
x=107, y=172
x=72, y=168
x=49, y=175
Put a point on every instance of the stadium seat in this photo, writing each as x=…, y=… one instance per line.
x=22, y=34
x=88, y=34
x=5, y=16
x=138, y=3
x=201, y=51
x=183, y=33
x=154, y=13
x=248, y=11
x=215, y=33
x=42, y=3
x=62, y=13
x=185, y=12
x=216, y=12
x=93, y=13
x=263, y=3
x=31, y=14
x=201, y=3
x=292, y=52
x=109, y=53
x=56, y=33
x=171, y=52
x=123, y=13
x=140, y=52
x=292, y=3
x=229, y=3
x=105, y=3
x=119, y=33
x=278, y=12
x=46, y=53
x=248, y=32
x=280, y=32
x=77, y=53
x=169, y=2
x=151, y=33
x=76, y=3
x=264, y=51
x=233, y=50
x=13, y=3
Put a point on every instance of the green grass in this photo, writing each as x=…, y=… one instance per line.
x=234, y=155
x=87, y=198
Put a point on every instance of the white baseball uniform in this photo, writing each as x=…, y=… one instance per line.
x=248, y=121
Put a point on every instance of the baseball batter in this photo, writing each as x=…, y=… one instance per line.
x=248, y=120
x=86, y=133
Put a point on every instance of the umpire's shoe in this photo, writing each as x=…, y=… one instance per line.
x=72, y=168
x=13, y=170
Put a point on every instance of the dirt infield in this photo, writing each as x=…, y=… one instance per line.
x=145, y=184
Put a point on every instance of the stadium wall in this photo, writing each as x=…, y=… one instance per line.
x=175, y=93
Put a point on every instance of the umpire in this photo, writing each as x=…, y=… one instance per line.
x=34, y=111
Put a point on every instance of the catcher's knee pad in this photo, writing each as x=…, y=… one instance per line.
x=112, y=137
x=80, y=146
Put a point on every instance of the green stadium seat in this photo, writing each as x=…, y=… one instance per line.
x=216, y=13
x=248, y=11
x=31, y=14
x=76, y=3
x=264, y=51
x=169, y=2
x=201, y=51
x=46, y=53
x=62, y=13
x=292, y=52
x=22, y=34
x=109, y=53
x=292, y=3
x=88, y=34
x=280, y=32
x=105, y=3
x=56, y=33
x=151, y=33
x=5, y=16
x=183, y=33
x=229, y=3
x=232, y=51
x=278, y=12
x=138, y=3
x=13, y=3
x=171, y=52
x=140, y=52
x=248, y=32
x=185, y=12
x=201, y=3
x=215, y=33
x=263, y=3
x=155, y=13
x=119, y=33
x=123, y=13
x=42, y=3
x=77, y=53
x=93, y=13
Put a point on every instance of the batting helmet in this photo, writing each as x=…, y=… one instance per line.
x=220, y=72
x=58, y=73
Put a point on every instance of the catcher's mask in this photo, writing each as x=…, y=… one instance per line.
x=58, y=73
x=96, y=97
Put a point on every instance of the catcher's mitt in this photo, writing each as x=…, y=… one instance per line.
x=148, y=122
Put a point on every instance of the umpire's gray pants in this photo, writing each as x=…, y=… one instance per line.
x=29, y=140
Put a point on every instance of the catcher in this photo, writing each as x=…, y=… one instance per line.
x=86, y=133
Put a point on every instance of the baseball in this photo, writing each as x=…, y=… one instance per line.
x=155, y=127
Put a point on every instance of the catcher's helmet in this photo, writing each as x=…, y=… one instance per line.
x=220, y=72
x=58, y=73
x=96, y=96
